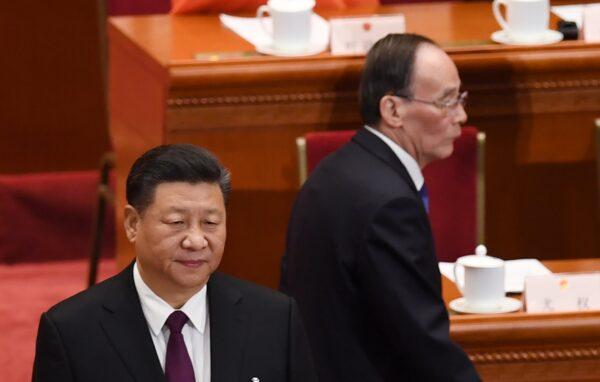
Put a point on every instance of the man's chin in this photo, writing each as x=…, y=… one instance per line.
x=189, y=287
x=192, y=277
x=445, y=152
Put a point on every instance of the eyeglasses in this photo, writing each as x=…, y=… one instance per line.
x=443, y=106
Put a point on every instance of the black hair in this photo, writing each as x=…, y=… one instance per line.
x=173, y=163
x=388, y=69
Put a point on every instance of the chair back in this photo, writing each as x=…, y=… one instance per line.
x=453, y=198
x=49, y=216
x=138, y=7
x=455, y=185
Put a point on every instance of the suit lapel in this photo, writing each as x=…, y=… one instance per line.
x=127, y=330
x=227, y=329
x=378, y=148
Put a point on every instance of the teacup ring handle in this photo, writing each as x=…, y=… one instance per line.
x=260, y=15
x=460, y=285
x=499, y=18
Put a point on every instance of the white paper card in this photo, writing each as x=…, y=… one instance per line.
x=515, y=272
x=562, y=292
x=570, y=12
x=356, y=35
x=591, y=23
x=249, y=29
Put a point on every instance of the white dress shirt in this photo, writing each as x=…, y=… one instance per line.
x=409, y=162
x=196, y=332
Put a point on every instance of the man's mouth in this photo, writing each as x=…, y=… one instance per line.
x=191, y=263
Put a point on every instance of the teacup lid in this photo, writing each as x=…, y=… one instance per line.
x=481, y=250
x=291, y=5
x=479, y=261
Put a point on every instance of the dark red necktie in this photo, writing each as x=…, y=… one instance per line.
x=178, y=366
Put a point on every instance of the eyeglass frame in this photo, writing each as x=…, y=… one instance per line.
x=443, y=106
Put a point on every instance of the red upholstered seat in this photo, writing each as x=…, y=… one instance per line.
x=322, y=143
x=217, y=6
x=387, y=2
x=48, y=217
x=141, y=7
x=452, y=185
x=138, y=7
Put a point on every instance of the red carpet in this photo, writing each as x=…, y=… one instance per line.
x=27, y=290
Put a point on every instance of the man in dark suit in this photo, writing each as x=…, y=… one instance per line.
x=167, y=316
x=360, y=256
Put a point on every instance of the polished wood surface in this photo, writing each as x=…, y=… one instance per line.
x=532, y=347
x=53, y=104
x=189, y=79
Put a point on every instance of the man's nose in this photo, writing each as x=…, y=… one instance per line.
x=195, y=239
x=460, y=115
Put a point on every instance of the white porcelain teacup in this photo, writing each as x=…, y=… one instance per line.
x=526, y=20
x=291, y=23
x=483, y=283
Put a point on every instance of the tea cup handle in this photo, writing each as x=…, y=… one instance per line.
x=260, y=15
x=460, y=285
x=496, y=8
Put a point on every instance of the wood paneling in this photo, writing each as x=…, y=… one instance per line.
x=53, y=113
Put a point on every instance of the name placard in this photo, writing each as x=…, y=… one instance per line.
x=356, y=35
x=591, y=22
x=566, y=292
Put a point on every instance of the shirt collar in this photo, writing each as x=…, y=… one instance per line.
x=408, y=161
x=156, y=310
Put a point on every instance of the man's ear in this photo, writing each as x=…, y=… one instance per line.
x=392, y=110
x=131, y=222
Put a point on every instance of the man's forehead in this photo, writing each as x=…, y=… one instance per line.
x=172, y=193
x=434, y=71
x=183, y=185
x=178, y=208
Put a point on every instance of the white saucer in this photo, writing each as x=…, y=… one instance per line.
x=507, y=305
x=548, y=37
x=311, y=50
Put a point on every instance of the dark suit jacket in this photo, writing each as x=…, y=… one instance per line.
x=360, y=262
x=101, y=335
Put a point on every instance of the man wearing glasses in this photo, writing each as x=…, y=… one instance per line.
x=360, y=258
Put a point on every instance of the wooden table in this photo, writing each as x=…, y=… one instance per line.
x=188, y=79
x=532, y=347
